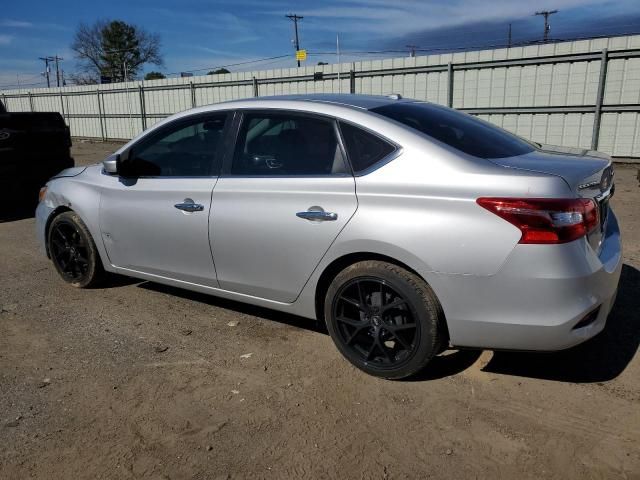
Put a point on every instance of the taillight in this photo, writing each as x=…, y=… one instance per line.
x=545, y=220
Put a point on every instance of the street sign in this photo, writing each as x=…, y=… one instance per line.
x=301, y=55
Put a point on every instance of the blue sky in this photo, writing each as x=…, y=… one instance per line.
x=199, y=34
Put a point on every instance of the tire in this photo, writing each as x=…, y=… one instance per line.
x=73, y=251
x=384, y=319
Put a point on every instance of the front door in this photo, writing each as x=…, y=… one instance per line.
x=156, y=219
x=283, y=199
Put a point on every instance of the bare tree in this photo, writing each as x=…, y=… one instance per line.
x=114, y=49
x=82, y=79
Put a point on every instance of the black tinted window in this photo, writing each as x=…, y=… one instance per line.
x=188, y=149
x=461, y=131
x=287, y=144
x=363, y=148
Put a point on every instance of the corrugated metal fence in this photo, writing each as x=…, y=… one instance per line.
x=583, y=93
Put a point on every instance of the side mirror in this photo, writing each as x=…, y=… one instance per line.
x=110, y=164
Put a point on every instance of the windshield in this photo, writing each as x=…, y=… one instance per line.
x=458, y=130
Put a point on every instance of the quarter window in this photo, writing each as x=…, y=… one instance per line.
x=363, y=148
x=287, y=144
x=189, y=149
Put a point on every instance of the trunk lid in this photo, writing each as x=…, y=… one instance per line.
x=588, y=173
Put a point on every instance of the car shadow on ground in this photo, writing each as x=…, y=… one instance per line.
x=239, y=307
x=600, y=359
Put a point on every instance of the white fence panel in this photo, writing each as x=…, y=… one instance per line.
x=548, y=93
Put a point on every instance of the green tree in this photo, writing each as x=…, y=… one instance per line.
x=115, y=49
x=218, y=71
x=154, y=76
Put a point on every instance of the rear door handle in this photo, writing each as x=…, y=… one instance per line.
x=318, y=215
x=189, y=206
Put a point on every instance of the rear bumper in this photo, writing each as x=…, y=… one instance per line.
x=538, y=298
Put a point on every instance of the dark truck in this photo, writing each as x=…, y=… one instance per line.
x=33, y=148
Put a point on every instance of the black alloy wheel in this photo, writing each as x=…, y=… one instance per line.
x=73, y=251
x=384, y=319
x=376, y=321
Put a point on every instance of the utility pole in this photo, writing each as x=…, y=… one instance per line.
x=295, y=18
x=509, y=41
x=546, y=14
x=412, y=50
x=46, y=68
x=58, y=59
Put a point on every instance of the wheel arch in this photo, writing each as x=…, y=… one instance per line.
x=57, y=211
x=342, y=262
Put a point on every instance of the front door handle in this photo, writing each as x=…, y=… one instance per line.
x=189, y=206
x=318, y=215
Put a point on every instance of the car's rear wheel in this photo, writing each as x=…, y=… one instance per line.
x=384, y=319
x=73, y=251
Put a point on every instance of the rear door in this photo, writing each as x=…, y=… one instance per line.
x=284, y=196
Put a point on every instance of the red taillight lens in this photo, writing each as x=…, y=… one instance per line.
x=545, y=220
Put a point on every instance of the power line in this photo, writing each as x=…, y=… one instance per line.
x=230, y=64
x=369, y=52
x=295, y=18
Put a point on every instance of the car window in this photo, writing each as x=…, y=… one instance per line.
x=189, y=149
x=363, y=148
x=287, y=144
x=458, y=130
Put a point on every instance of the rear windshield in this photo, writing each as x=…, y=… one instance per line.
x=462, y=132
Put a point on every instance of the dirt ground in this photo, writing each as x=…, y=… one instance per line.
x=137, y=380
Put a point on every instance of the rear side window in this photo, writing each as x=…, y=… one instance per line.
x=283, y=144
x=458, y=130
x=363, y=148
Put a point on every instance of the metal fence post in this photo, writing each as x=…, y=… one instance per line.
x=450, y=85
x=192, y=88
x=352, y=81
x=62, y=105
x=256, y=92
x=143, y=110
x=30, y=101
x=597, y=112
x=100, y=115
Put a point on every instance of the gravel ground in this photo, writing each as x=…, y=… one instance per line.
x=138, y=380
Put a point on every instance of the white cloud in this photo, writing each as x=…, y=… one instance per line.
x=15, y=24
x=5, y=39
x=399, y=17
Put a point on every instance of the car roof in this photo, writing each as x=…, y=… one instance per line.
x=365, y=102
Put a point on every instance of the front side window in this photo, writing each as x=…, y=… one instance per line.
x=287, y=144
x=458, y=130
x=191, y=148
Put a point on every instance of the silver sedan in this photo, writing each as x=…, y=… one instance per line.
x=405, y=226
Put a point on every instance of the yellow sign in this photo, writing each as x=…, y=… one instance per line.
x=301, y=55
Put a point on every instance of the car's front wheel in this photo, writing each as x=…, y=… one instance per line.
x=73, y=251
x=384, y=319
